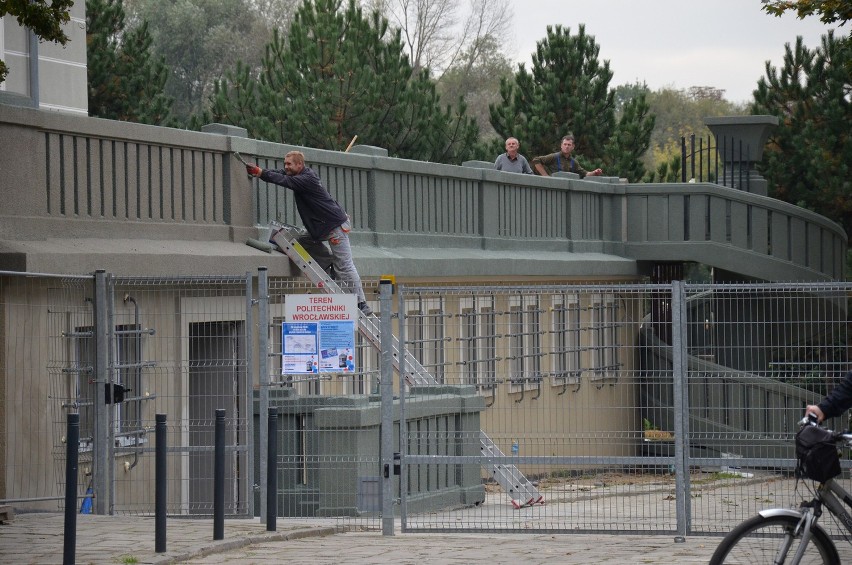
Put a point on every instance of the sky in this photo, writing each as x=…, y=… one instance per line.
x=672, y=43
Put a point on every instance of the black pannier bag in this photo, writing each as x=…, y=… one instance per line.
x=817, y=454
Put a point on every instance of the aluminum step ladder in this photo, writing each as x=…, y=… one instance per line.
x=285, y=237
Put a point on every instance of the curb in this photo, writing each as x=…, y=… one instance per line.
x=229, y=545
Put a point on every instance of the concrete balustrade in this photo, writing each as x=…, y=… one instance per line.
x=97, y=182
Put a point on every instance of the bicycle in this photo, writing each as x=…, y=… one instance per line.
x=783, y=535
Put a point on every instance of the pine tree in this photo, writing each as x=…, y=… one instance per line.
x=808, y=159
x=631, y=139
x=126, y=82
x=341, y=74
x=568, y=92
x=200, y=40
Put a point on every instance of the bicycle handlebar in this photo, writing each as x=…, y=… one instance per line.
x=809, y=419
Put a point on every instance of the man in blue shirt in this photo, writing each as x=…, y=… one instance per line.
x=323, y=217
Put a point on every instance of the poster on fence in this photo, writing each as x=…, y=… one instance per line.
x=318, y=334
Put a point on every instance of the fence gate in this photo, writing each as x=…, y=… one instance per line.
x=136, y=347
x=664, y=408
x=185, y=342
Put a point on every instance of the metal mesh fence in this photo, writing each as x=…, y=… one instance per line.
x=35, y=313
x=531, y=408
x=758, y=355
x=557, y=369
x=328, y=427
x=591, y=391
x=118, y=357
x=181, y=347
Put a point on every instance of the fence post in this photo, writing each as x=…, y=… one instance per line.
x=692, y=158
x=101, y=449
x=272, y=472
x=386, y=388
x=263, y=382
x=248, y=407
x=160, y=484
x=219, y=476
x=403, y=422
x=680, y=384
x=72, y=439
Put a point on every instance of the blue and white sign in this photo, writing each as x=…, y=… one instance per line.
x=337, y=347
x=318, y=335
x=299, y=348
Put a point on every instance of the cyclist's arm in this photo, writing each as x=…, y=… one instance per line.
x=838, y=400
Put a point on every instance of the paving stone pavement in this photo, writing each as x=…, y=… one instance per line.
x=529, y=549
x=37, y=538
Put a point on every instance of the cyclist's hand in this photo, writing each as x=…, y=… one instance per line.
x=813, y=409
x=253, y=170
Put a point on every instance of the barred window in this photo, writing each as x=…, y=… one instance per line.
x=604, y=338
x=127, y=376
x=477, y=334
x=525, y=349
x=566, y=339
x=425, y=335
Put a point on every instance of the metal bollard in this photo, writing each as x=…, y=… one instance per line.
x=69, y=546
x=219, y=477
x=160, y=497
x=272, y=472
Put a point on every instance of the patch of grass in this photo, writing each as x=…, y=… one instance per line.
x=722, y=475
x=129, y=560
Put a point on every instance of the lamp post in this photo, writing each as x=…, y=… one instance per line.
x=740, y=141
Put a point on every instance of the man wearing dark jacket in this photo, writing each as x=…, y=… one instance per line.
x=323, y=217
x=836, y=403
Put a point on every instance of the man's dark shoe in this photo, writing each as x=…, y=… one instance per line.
x=365, y=308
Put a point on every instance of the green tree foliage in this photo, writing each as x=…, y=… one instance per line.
x=568, y=91
x=44, y=18
x=624, y=93
x=829, y=11
x=681, y=113
x=200, y=40
x=126, y=82
x=808, y=158
x=633, y=133
x=475, y=78
x=342, y=74
x=276, y=14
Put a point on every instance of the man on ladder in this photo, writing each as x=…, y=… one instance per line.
x=323, y=217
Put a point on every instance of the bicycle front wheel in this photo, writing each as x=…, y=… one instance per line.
x=771, y=540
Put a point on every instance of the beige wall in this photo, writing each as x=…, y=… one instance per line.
x=561, y=417
x=62, y=69
x=33, y=435
x=36, y=393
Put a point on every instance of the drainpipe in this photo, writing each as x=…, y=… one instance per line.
x=33, y=69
